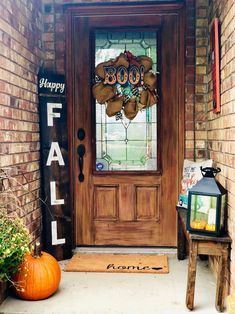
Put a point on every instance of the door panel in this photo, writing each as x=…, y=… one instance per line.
x=147, y=205
x=105, y=203
x=122, y=204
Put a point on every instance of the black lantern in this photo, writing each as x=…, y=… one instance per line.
x=206, y=205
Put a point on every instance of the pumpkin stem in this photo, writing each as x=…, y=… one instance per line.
x=36, y=250
x=32, y=249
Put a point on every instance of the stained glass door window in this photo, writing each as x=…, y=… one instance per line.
x=123, y=144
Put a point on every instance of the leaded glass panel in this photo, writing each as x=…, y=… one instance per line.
x=125, y=144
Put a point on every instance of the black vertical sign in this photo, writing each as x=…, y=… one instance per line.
x=57, y=227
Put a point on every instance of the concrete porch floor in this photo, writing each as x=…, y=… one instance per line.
x=115, y=293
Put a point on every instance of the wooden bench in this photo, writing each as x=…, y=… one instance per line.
x=203, y=245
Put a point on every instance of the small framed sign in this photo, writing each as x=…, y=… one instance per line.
x=214, y=38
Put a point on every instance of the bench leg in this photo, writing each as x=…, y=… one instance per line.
x=222, y=280
x=181, y=241
x=192, y=266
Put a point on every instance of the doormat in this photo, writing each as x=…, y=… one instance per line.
x=120, y=263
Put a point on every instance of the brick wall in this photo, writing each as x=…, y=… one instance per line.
x=190, y=79
x=201, y=86
x=196, y=80
x=20, y=55
x=54, y=36
x=221, y=126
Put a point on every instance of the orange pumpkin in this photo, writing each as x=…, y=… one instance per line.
x=38, y=277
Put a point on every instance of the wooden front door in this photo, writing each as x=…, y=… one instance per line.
x=125, y=185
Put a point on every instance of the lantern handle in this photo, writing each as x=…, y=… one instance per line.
x=209, y=172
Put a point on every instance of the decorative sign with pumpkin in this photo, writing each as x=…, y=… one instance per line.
x=125, y=85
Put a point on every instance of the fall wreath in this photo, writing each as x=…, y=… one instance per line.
x=125, y=85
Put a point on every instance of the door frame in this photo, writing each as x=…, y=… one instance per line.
x=73, y=11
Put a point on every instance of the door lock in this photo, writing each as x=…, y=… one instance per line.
x=81, y=134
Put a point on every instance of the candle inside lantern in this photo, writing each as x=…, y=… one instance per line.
x=212, y=216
